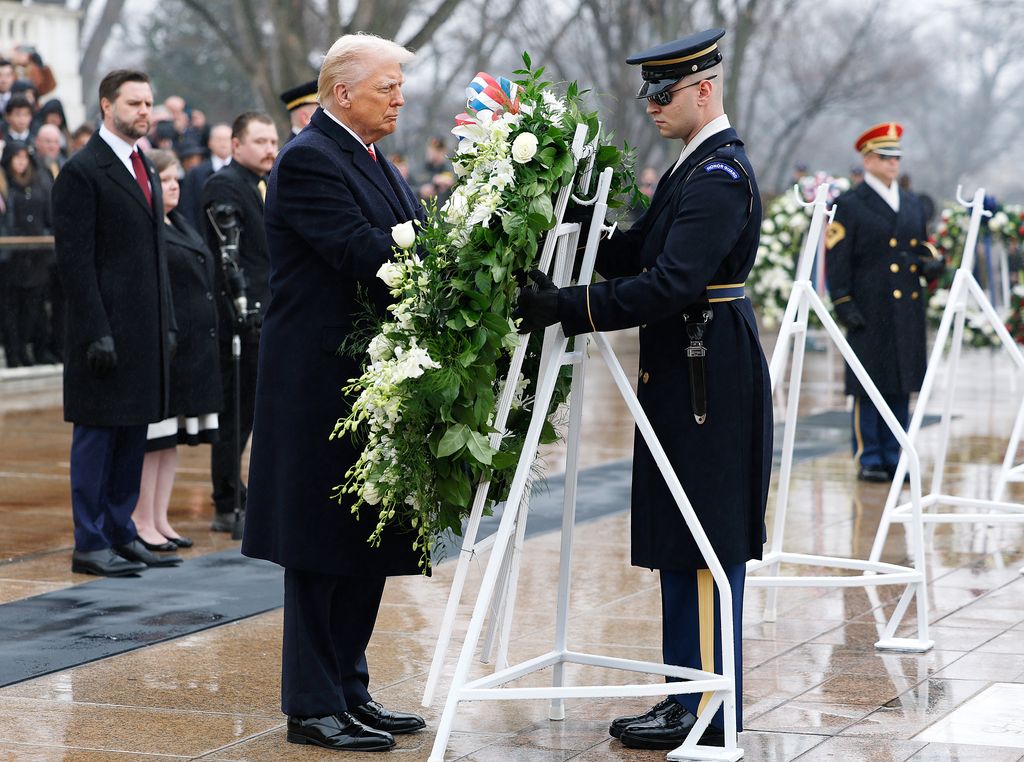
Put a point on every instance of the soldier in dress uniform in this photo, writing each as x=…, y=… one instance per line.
x=878, y=259
x=678, y=274
x=301, y=103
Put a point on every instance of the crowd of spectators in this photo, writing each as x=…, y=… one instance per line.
x=31, y=299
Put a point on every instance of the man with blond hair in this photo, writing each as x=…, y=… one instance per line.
x=331, y=203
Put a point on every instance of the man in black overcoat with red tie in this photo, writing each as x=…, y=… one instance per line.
x=332, y=201
x=108, y=221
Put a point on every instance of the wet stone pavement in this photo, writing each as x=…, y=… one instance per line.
x=815, y=688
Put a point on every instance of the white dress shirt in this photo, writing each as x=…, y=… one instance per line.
x=121, y=149
x=716, y=125
x=890, y=194
x=348, y=129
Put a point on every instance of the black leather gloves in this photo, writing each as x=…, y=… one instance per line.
x=537, y=305
x=101, y=356
x=850, y=315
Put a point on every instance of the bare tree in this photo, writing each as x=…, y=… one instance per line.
x=277, y=41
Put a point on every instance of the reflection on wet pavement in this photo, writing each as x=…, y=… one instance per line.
x=814, y=686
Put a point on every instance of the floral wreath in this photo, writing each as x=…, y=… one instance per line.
x=424, y=406
x=1005, y=226
x=785, y=222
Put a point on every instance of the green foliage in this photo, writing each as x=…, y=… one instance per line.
x=426, y=401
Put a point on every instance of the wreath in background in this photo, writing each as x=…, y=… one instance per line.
x=786, y=221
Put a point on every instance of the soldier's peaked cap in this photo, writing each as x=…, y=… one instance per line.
x=299, y=95
x=883, y=139
x=664, y=65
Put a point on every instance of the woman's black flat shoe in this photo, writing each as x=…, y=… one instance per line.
x=182, y=542
x=164, y=547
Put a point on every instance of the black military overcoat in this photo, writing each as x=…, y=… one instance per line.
x=329, y=213
x=874, y=259
x=702, y=228
x=113, y=268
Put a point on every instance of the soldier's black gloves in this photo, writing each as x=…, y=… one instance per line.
x=101, y=357
x=172, y=344
x=932, y=267
x=537, y=305
x=850, y=315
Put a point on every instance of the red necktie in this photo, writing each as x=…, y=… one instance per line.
x=373, y=154
x=141, y=177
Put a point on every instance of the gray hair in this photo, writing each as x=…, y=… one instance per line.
x=350, y=59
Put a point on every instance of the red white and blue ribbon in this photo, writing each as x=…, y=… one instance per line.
x=495, y=95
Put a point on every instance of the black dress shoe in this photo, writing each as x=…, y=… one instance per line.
x=668, y=730
x=182, y=542
x=225, y=522
x=621, y=723
x=373, y=715
x=104, y=563
x=873, y=474
x=163, y=547
x=891, y=471
x=134, y=551
x=341, y=732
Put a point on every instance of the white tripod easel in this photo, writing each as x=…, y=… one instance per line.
x=873, y=572
x=993, y=511
x=554, y=356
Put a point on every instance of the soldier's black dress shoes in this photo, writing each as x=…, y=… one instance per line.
x=134, y=551
x=621, y=723
x=341, y=732
x=104, y=563
x=668, y=730
x=373, y=715
x=873, y=474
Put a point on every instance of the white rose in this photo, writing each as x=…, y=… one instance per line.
x=524, y=147
x=404, y=234
x=391, y=274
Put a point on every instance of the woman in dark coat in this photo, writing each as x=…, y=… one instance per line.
x=195, y=395
x=28, y=214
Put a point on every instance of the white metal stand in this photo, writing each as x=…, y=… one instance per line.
x=873, y=573
x=554, y=356
x=994, y=511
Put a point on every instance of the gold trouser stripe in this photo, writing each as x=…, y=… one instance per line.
x=856, y=432
x=706, y=619
x=590, y=317
x=667, y=61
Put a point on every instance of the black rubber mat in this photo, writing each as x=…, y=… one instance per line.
x=65, y=628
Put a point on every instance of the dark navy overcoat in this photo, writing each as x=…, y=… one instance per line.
x=702, y=228
x=874, y=260
x=329, y=212
x=113, y=267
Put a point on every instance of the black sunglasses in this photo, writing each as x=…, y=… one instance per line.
x=665, y=96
